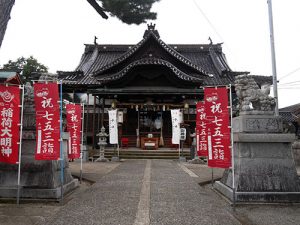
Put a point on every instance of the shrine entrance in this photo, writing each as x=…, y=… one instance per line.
x=147, y=129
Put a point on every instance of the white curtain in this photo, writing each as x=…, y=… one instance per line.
x=113, y=126
x=175, y=115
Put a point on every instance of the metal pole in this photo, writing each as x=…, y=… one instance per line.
x=232, y=152
x=82, y=130
x=118, y=151
x=87, y=115
x=212, y=177
x=138, y=140
x=273, y=57
x=20, y=146
x=61, y=147
x=179, y=150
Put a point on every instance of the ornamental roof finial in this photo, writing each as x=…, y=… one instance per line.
x=151, y=29
x=95, y=40
x=151, y=26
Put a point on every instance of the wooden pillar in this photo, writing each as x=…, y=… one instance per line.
x=138, y=144
x=73, y=97
x=98, y=116
x=102, y=115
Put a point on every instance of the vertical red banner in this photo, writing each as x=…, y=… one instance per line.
x=9, y=123
x=201, y=130
x=47, y=108
x=74, y=128
x=218, y=132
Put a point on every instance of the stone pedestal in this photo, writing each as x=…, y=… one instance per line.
x=101, y=155
x=296, y=152
x=40, y=179
x=264, y=166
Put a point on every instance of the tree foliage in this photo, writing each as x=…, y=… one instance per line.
x=128, y=11
x=26, y=66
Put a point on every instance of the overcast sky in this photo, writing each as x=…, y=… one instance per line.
x=55, y=31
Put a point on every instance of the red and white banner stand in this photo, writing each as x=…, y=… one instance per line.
x=9, y=123
x=81, y=149
x=74, y=127
x=218, y=131
x=201, y=130
x=11, y=127
x=46, y=98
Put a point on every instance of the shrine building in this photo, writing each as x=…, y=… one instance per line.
x=144, y=82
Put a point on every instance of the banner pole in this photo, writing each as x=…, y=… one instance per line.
x=61, y=147
x=212, y=177
x=232, y=152
x=20, y=147
x=82, y=126
x=118, y=151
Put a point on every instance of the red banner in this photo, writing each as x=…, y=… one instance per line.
x=74, y=128
x=218, y=132
x=201, y=130
x=10, y=120
x=46, y=99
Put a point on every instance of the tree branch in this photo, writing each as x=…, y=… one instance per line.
x=98, y=8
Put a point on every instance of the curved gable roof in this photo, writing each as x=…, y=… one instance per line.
x=150, y=61
x=151, y=34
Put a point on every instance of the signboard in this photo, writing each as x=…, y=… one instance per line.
x=218, y=132
x=46, y=99
x=182, y=134
x=74, y=127
x=9, y=123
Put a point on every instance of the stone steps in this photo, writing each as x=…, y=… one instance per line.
x=146, y=154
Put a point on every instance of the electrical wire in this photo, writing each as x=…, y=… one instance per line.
x=290, y=87
x=207, y=19
x=293, y=82
x=290, y=73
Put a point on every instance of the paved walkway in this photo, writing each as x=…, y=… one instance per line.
x=146, y=192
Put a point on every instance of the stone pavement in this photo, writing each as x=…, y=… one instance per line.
x=145, y=192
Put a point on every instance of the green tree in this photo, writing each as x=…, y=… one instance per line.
x=26, y=66
x=128, y=11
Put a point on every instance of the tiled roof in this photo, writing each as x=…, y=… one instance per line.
x=290, y=113
x=7, y=74
x=288, y=116
x=207, y=60
x=135, y=48
x=292, y=108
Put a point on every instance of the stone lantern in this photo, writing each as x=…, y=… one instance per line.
x=102, y=143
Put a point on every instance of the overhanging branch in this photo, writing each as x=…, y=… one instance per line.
x=98, y=8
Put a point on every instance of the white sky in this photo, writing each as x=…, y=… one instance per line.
x=55, y=31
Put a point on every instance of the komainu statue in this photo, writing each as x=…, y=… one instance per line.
x=251, y=97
